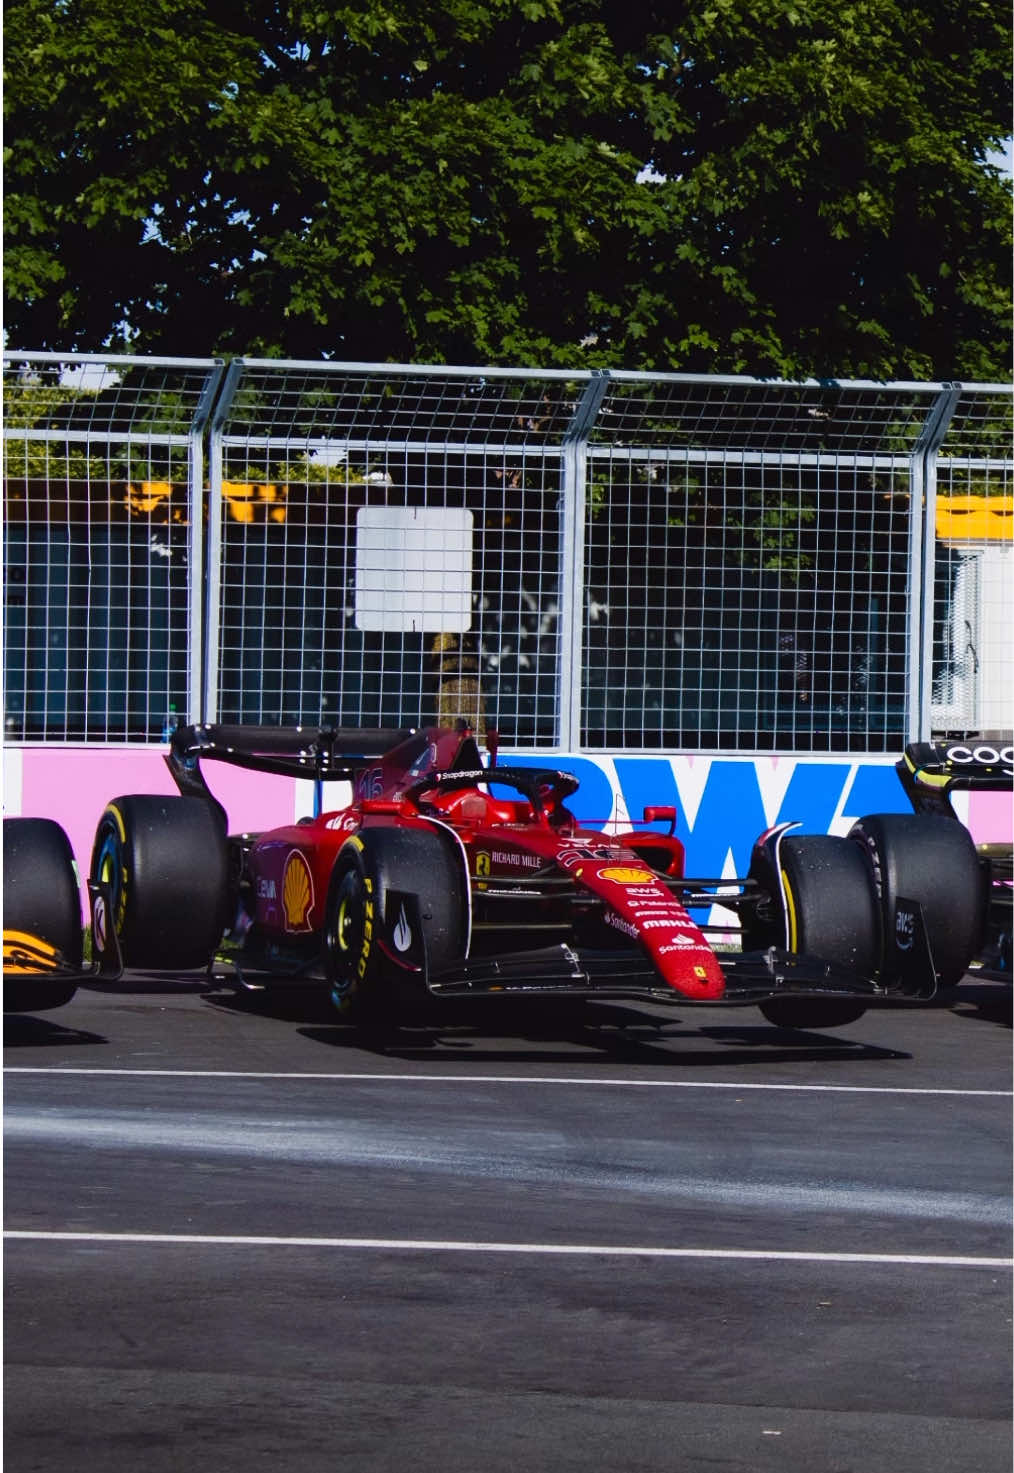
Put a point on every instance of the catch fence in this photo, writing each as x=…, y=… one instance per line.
x=590, y=561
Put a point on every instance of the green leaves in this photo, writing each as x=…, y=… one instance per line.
x=465, y=181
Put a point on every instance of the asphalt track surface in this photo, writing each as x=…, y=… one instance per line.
x=240, y=1236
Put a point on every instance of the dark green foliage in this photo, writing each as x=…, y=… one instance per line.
x=459, y=181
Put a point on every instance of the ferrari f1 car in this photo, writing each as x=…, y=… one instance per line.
x=447, y=877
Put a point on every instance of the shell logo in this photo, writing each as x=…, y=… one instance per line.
x=622, y=875
x=297, y=892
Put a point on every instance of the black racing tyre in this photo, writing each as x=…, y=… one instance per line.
x=932, y=860
x=165, y=861
x=42, y=903
x=366, y=925
x=832, y=914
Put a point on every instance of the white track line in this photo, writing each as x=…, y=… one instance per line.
x=574, y=1250
x=489, y=1079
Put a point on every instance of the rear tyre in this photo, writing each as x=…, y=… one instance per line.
x=832, y=914
x=367, y=924
x=42, y=904
x=933, y=861
x=165, y=861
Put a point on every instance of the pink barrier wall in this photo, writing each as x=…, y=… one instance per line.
x=990, y=817
x=73, y=785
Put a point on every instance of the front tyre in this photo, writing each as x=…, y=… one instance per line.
x=386, y=881
x=831, y=913
x=165, y=863
x=931, y=860
x=42, y=914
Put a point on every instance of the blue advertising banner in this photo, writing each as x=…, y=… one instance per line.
x=723, y=804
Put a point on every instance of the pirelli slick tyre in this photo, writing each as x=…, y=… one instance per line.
x=831, y=912
x=931, y=860
x=166, y=864
x=385, y=883
x=42, y=913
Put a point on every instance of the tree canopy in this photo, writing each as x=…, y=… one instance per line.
x=774, y=187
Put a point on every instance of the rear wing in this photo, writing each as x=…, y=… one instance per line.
x=320, y=753
x=931, y=771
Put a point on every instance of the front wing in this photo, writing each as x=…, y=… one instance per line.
x=567, y=970
x=28, y=959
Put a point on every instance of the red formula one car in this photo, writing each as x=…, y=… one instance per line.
x=449, y=878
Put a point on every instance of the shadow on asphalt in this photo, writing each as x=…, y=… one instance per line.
x=661, y=1050
x=27, y=1030
x=608, y=1031
x=159, y=984
x=288, y=1004
x=983, y=1002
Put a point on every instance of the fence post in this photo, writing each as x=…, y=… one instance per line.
x=922, y=561
x=209, y=697
x=574, y=463
x=195, y=547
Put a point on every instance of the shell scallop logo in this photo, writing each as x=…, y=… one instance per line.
x=297, y=892
x=627, y=875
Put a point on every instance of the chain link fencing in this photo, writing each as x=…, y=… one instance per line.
x=589, y=561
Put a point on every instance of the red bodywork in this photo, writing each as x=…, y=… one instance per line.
x=501, y=839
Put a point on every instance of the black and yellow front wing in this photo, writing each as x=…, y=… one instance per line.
x=38, y=976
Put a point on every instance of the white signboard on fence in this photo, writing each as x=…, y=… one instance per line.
x=413, y=569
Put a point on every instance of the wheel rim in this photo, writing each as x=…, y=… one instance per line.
x=345, y=939
x=109, y=871
x=345, y=923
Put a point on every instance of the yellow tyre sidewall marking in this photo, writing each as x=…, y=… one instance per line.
x=106, y=877
x=118, y=817
x=790, y=906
